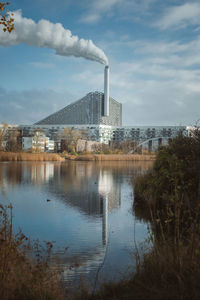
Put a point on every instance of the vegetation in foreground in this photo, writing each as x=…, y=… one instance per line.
x=22, y=278
x=169, y=197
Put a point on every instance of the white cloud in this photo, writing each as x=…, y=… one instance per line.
x=120, y=8
x=30, y=106
x=180, y=16
x=105, y=5
x=90, y=18
x=97, y=9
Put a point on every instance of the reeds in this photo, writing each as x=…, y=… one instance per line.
x=23, y=156
x=114, y=157
x=22, y=278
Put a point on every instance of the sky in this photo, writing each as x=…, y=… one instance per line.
x=153, y=49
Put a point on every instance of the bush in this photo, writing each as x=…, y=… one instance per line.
x=169, y=197
x=173, y=185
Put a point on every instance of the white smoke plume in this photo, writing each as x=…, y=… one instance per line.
x=45, y=34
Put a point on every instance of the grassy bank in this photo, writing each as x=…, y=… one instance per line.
x=112, y=157
x=22, y=156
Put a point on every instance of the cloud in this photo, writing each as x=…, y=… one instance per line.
x=30, y=106
x=97, y=9
x=120, y=8
x=90, y=18
x=180, y=16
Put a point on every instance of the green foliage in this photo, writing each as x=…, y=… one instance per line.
x=169, y=195
x=175, y=175
x=74, y=152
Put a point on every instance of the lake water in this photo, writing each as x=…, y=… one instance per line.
x=84, y=208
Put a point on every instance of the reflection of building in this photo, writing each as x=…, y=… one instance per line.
x=80, y=185
x=91, y=189
x=42, y=172
x=26, y=173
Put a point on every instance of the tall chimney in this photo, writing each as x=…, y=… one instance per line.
x=106, y=91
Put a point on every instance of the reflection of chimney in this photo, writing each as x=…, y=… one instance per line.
x=105, y=220
x=106, y=91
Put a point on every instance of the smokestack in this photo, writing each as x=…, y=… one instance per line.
x=106, y=91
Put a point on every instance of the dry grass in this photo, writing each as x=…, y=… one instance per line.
x=163, y=275
x=115, y=157
x=22, y=156
x=22, y=278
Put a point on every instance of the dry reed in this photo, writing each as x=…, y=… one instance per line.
x=22, y=156
x=22, y=278
x=115, y=157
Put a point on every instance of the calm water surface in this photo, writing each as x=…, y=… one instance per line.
x=89, y=213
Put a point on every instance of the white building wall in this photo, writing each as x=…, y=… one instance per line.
x=27, y=143
x=106, y=133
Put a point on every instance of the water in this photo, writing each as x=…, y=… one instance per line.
x=84, y=208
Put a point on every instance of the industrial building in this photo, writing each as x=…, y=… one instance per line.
x=100, y=116
x=95, y=108
x=86, y=111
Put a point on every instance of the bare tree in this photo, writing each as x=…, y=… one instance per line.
x=69, y=138
x=12, y=143
x=3, y=133
x=38, y=141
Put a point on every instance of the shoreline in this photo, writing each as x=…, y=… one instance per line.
x=23, y=156
x=111, y=157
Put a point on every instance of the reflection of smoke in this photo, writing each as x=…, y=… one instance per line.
x=45, y=34
x=105, y=182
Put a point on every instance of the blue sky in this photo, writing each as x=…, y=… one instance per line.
x=153, y=49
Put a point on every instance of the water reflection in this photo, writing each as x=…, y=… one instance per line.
x=90, y=210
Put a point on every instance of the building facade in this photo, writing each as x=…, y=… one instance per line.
x=38, y=142
x=88, y=110
x=106, y=134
